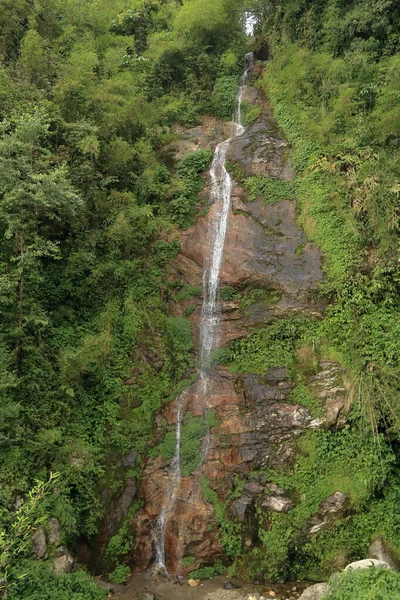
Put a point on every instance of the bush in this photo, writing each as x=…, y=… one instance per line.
x=366, y=584
x=39, y=582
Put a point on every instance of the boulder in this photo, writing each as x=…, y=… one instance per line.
x=335, y=506
x=367, y=563
x=63, y=560
x=277, y=504
x=39, y=546
x=381, y=550
x=315, y=592
x=54, y=532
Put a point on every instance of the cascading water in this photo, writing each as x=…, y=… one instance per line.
x=221, y=189
x=174, y=478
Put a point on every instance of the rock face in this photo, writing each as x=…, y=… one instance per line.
x=258, y=423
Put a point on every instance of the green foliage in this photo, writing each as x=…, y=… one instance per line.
x=187, y=561
x=120, y=574
x=188, y=292
x=266, y=348
x=366, y=584
x=193, y=431
x=182, y=207
x=229, y=531
x=15, y=544
x=327, y=462
x=227, y=293
x=224, y=98
x=270, y=189
x=249, y=113
x=41, y=583
x=208, y=572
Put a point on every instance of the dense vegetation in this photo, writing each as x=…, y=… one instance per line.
x=334, y=82
x=89, y=95
x=89, y=209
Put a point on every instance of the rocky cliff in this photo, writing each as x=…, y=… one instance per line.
x=268, y=259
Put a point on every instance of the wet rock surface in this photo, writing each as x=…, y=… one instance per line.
x=259, y=424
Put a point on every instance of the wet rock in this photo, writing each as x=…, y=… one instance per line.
x=262, y=149
x=381, y=550
x=315, y=592
x=54, y=532
x=63, y=561
x=334, y=507
x=39, y=546
x=367, y=563
x=229, y=585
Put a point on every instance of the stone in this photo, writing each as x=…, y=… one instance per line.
x=54, y=532
x=315, y=592
x=229, y=585
x=277, y=504
x=271, y=593
x=331, y=387
x=381, y=550
x=147, y=596
x=367, y=563
x=240, y=505
x=39, y=546
x=335, y=506
x=194, y=582
x=63, y=560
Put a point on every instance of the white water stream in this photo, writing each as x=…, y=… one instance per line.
x=221, y=189
x=174, y=479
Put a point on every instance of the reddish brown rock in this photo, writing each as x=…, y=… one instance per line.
x=259, y=425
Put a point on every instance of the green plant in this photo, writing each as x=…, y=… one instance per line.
x=208, y=572
x=365, y=584
x=227, y=293
x=271, y=190
x=120, y=574
x=187, y=561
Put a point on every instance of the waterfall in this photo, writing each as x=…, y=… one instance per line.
x=221, y=189
x=174, y=479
